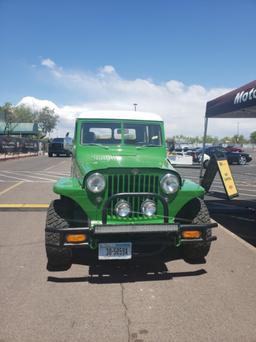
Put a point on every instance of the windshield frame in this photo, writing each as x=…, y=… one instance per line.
x=122, y=124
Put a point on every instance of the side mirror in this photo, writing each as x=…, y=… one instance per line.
x=68, y=144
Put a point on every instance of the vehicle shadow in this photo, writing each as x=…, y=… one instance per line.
x=238, y=216
x=110, y=273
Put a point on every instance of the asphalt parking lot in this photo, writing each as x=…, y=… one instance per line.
x=138, y=302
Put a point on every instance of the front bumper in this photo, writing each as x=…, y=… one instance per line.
x=137, y=233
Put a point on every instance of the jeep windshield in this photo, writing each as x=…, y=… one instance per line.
x=117, y=133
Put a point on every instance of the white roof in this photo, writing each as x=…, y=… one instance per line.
x=121, y=114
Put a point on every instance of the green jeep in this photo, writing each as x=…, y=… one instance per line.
x=124, y=199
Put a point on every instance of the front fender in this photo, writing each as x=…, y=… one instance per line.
x=71, y=188
x=188, y=191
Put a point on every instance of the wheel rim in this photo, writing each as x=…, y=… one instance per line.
x=242, y=160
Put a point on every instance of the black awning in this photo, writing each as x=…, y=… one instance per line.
x=239, y=103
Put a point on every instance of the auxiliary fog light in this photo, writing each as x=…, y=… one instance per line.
x=148, y=208
x=122, y=208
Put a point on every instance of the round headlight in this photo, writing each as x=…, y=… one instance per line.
x=169, y=183
x=96, y=183
x=122, y=208
x=148, y=208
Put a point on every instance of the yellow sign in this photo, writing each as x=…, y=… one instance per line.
x=227, y=178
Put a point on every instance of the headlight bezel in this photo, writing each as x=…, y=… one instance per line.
x=175, y=181
x=100, y=177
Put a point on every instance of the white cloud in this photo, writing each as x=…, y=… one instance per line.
x=48, y=63
x=107, y=69
x=36, y=104
x=181, y=106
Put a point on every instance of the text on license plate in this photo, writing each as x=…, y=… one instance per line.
x=118, y=250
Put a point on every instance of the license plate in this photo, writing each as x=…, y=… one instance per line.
x=115, y=251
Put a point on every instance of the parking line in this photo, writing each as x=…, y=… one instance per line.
x=29, y=175
x=51, y=167
x=24, y=206
x=12, y=177
x=49, y=173
x=11, y=187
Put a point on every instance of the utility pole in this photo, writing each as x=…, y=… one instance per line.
x=237, y=132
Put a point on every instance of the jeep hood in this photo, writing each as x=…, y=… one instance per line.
x=102, y=158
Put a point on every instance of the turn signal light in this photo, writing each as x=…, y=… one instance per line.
x=76, y=237
x=191, y=234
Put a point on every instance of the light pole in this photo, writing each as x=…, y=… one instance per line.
x=237, y=132
x=135, y=105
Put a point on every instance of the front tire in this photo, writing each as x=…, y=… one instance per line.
x=196, y=252
x=59, y=258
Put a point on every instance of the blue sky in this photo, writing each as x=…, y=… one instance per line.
x=205, y=43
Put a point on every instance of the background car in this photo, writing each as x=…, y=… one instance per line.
x=233, y=148
x=240, y=158
x=56, y=146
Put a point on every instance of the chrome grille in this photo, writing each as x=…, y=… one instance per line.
x=132, y=183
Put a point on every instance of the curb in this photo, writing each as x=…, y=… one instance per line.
x=18, y=156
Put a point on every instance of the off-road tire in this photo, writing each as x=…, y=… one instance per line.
x=59, y=258
x=195, y=253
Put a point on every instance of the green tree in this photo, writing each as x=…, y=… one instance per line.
x=212, y=140
x=8, y=117
x=24, y=114
x=238, y=139
x=47, y=120
x=253, y=137
x=225, y=140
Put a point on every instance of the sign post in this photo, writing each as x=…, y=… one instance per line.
x=220, y=164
